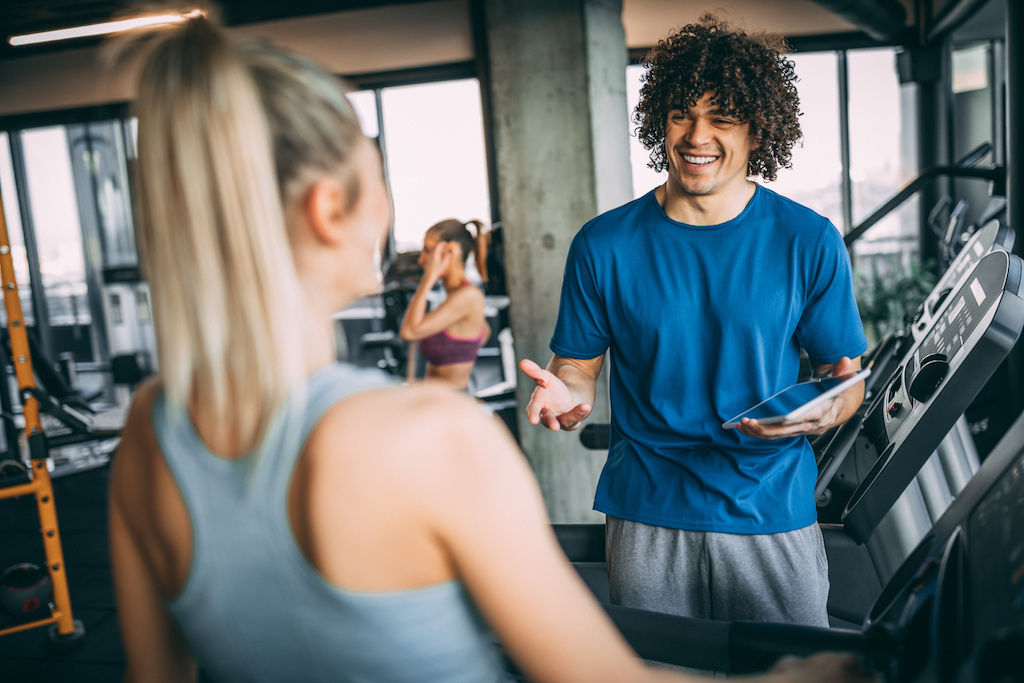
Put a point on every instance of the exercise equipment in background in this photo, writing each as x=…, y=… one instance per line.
x=26, y=590
x=64, y=628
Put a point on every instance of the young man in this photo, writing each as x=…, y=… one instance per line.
x=704, y=291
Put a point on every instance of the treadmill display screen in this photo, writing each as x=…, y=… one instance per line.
x=996, y=539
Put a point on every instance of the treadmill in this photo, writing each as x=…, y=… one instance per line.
x=862, y=568
x=953, y=612
x=967, y=334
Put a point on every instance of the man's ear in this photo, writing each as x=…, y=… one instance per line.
x=326, y=210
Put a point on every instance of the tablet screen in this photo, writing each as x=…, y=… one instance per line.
x=797, y=399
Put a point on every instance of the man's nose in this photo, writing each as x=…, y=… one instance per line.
x=699, y=132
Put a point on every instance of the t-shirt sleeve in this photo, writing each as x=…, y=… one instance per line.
x=581, y=329
x=830, y=326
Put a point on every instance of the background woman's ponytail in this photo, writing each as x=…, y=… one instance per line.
x=227, y=133
x=481, y=240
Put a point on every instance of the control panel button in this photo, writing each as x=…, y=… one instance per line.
x=928, y=377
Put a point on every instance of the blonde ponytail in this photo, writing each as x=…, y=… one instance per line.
x=229, y=135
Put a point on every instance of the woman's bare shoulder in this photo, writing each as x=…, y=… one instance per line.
x=409, y=416
x=470, y=293
x=136, y=463
x=409, y=436
x=137, y=432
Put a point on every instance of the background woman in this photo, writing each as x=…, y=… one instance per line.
x=449, y=336
x=276, y=516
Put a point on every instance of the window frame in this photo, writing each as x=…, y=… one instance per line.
x=15, y=124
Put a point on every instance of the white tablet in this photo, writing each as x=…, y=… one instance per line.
x=797, y=399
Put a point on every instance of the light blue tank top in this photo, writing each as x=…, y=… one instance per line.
x=254, y=609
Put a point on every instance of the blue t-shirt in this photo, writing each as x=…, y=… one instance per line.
x=703, y=322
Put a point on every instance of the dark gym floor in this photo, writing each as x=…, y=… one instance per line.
x=81, y=512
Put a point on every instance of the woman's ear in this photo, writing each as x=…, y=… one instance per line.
x=326, y=210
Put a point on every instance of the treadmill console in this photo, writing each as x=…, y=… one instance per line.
x=993, y=235
x=970, y=334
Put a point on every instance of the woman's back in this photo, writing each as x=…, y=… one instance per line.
x=251, y=606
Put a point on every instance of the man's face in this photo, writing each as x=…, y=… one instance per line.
x=707, y=151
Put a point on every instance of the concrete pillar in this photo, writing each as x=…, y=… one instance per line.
x=557, y=89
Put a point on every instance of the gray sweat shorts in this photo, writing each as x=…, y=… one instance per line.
x=732, y=577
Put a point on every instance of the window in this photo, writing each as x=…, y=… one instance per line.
x=12, y=214
x=974, y=118
x=365, y=104
x=644, y=177
x=434, y=153
x=815, y=178
x=58, y=232
x=883, y=152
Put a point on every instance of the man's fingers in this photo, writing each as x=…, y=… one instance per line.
x=550, y=419
x=844, y=366
x=579, y=412
x=534, y=372
x=574, y=417
x=533, y=410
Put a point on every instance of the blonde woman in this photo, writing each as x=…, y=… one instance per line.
x=268, y=521
x=449, y=336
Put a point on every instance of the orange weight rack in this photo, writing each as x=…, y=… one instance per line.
x=64, y=629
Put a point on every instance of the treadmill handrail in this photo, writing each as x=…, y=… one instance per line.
x=996, y=174
x=735, y=646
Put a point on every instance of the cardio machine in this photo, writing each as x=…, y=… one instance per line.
x=953, y=612
x=959, y=340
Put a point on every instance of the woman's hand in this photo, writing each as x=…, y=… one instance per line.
x=437, y=262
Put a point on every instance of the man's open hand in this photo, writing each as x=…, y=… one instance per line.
x=551, y=403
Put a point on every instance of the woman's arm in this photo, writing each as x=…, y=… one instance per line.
x=154, y=648
x=460, y=304
x=491, y=519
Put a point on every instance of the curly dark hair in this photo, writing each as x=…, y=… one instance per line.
x=748, y=75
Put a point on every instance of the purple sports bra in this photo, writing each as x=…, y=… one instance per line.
x=443, y=349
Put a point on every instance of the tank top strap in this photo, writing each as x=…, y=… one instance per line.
x=325, y=388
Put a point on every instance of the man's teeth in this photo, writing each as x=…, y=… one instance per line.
x=699, y=161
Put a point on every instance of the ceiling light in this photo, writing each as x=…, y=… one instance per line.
x=105, y=27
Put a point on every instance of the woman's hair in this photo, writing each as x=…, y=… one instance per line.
x=231, y=137
x=748, y=75
x=454, y=230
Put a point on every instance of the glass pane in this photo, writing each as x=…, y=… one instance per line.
x=58, y=235
x=365, y=104
x=972, y=122
x=644, y=177
x=815, y=178
x=434, y=149
x=99, y=151
x=133, y=138
x=12, y=213
x=970, y=68
x=883, y=152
